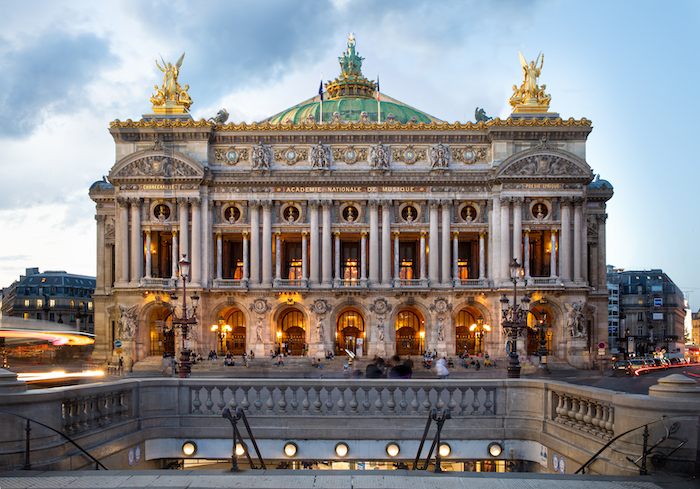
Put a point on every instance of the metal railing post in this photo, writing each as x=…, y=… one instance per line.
x=27, y=463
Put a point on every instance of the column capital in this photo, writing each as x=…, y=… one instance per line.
x=482, y=234
x=434, y=203
x=395, y=234
x=278, y=234
x=313, y=202
x=566, y=200
x=254, y=203
x=527, y=231
x=446, y=202
x=266, y=204
x=578, y=201
x=423, y=234
x=455, y=234
x=196, y=203
x=305, y=234
x=554, y=231
x=100, y=218
x=504, y=200
x=386, y=202
x=245, y=234
x=174, y=231
x=364, y=234
x=326, y=203
x=183, y=200
x=517, y=200
x=219, y=235
x=373, y=204
x=147, y=232
x=336, y=234
x=601, y=217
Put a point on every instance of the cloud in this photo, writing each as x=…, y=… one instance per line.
x=46, y=75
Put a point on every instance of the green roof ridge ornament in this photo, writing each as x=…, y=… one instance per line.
x=351, y=62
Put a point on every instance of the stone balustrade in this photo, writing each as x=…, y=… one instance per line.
x=94, y=411
x=585, y=414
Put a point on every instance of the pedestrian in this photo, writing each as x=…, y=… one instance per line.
x=441, y=369
x=280, y=360
x=121, y=365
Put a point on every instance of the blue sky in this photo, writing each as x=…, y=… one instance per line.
x=69, y=68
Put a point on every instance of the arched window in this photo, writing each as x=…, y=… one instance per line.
x=350, y=333
x=410, y=334
x=465, y=339
x=291, y=336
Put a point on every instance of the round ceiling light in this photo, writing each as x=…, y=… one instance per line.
x=341, y=449
x=444, y=449
x=393, y=449
x=290, y=449
x=495, y=449
x=241, y=448
x=189, y=448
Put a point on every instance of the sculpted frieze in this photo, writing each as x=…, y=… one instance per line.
x=545, y=165
x=469, y=154
x=230, y=156
x=156, y=166
x=350, y=155
x=408, y=155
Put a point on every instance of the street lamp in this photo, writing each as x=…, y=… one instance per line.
x=542, y=327
x=422, y=342
x=221, y=329
x=185, y=320
x=514, y=320
x=479, y=329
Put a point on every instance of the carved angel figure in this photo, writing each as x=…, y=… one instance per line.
x=441, y=329
x=439, y=157
x=529, y=92
x=575, y=319
x=170, y=86
x=261, y=158
x=320, y=156
x=258, y=330
x=379, y=157
x=380, y=329
x=126, y=325
x=320, y=328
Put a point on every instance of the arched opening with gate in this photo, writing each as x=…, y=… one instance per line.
x=539, y=329
x=291, y=333
x=161, y=331
x=470, y=332
x=350, y=333
x=233, y=341
x=410, y=332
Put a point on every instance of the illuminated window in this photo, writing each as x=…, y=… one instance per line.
x=52, y=302
x=27, y=302
x=407, y=260
x=39, y=303
x=350, y=258
x=293, y=260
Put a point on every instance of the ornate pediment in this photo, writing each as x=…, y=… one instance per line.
x=545, y=162
x=157, y=164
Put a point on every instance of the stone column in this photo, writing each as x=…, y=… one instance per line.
x=578, y=277
x=553, y=254
x=254, y=243
x=495, y=242
x=219, y=256
x=327, y=249
x=175, y=257
x=433, y=237
x=526, y=258
x=363, y=259
x=518, y=229
x=136, y=242
x=602, y=260
x=338, y=276
x=565, y=242
x=148, y=254
x=304, y=259
x=505, y=239
x=196, y=267
x=373, y=243
x=396, y=258
x=455, y=259
x=446, y=262
x=207, y=259
x=267, y=244
x=314, y=259
x=386, y=242
x=278, y=258
x=184, y=211
x=584, y=243
x=102, y=266
x=246, y=260
x=423, y=276
x=482, y=256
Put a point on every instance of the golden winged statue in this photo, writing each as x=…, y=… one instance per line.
x=171, y=98
x=530, y=97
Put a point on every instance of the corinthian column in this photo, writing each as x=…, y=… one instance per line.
x=338, y=277
x=446, y=262
x=148, y=254
x=373, y=243
x=278, y=258
x=386, y=242
x=184, y=211
x=267, y=244
x=482, y=256
x=327, y=261
x=136, y=242
x=246, y=261
x=314, y=258
x=396, y=257
x=455, y=259
x=423, y=276
x=578, y=252
x=175, y=257
x=433, y=254
x=518, y=229
x=505, y=238
x=254, y=243
x=219, y=256
x=565, y=241
x=196, y=267
x=553, y=254
x=363, y=259
x=101, y=262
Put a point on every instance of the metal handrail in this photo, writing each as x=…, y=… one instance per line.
x=226, y=413
x=27, y=463
x=439, y=420
x=645, y=451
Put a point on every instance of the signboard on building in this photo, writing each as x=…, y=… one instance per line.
x=658, y=301
x=658, y=316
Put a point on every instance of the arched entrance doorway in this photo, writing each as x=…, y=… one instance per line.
x=350, y=333
x=233, y=341
x=291, y=332
x=539, y=330
x=161, y=330
x=410, y=333
x=470, y=331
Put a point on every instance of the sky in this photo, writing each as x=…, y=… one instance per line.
x=69, y=68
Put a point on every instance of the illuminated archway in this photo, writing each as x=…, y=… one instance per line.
x=235, y=340
x=162, y=333
x=350, y=333
x=291, y=332
x=467, y=339
x=539, y=315
x=410, y=332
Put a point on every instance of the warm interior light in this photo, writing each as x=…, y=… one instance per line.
x=290, y=449
x=341, y=449
x=189, y=448
x=241, y=449
x=444, y=449
x=495, y=449
x=393, y=449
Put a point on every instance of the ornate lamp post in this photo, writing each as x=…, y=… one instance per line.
x=185, y=320
x=543, y=327
x=514, y=320
x=479, y=329
x=221, y=329
x=46, y=307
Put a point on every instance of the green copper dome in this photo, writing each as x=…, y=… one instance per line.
x=350, y=95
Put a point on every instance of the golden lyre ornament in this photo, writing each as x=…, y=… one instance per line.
x=171, y=98
x=530, y=98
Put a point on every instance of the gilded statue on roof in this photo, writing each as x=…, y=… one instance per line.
x=351, y=62
x=171, y=97
x=530, y=97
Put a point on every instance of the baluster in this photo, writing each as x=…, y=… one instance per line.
x=341, y=400
x=220, y=404
x=414, y=402
x=104, y=412
x=488, y=404
x=294, y=404
x=270, y=401
x=245, y=403
x=196, y=403
x=379, y=404
x=403, y=404
x=366, y=404
x=317, y=401
x=573, y=409
x=258, y=402
x=581, y=410
x=440, y=403
x=353, y=401
x=464, y=403
x=596, y=415
x=233, y=403
x=113, y=404
x=124, y=404
x=560, y=408
x=391, y=404
x=451, y=403
x=282, y=403
x=83, y=406
x=589, y=415
x=475, y=403
x=329, y=399
x=426, y=401
x=67, y=417
x=610, y=420
x=208, y=403
x=306, y=403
